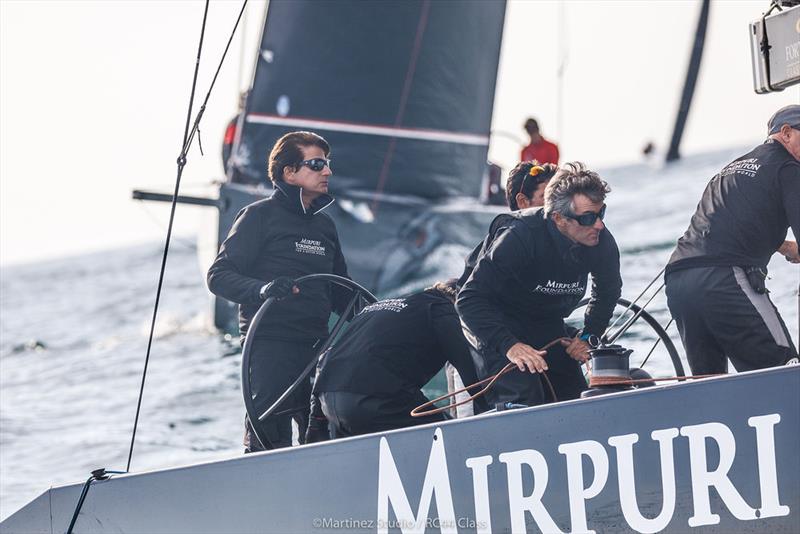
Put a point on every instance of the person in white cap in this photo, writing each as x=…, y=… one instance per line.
x=716, y=276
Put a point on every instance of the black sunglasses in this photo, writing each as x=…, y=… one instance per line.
x=316, y=164
x=588, y=219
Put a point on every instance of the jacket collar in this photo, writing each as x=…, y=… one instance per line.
x=291, y=197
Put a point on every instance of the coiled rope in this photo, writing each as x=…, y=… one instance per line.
x=418, y=411
x=594, y=381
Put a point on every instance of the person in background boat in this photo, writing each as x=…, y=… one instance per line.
x=530, y=277
x=715, y=278
x=271, y=243
x=371, y=379
x=539, y=148
x=235, y=172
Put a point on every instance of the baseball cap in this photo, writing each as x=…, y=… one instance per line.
x=787, y=115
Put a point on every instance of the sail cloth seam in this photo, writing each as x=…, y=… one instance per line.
x=421, y=134
x=401, y=109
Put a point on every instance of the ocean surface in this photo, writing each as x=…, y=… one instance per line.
x=73, y=335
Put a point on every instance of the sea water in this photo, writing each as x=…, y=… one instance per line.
x=73, y=336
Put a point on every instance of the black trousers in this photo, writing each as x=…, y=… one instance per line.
x=353, y=414
x=527, y=388
x=274, y=365
x=719, y=315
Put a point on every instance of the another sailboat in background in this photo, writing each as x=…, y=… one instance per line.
x=403, y=91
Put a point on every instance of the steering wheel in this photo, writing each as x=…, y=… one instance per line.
x=360, y=298
x=660, y=332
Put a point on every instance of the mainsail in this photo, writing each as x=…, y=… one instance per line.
x=403, y=90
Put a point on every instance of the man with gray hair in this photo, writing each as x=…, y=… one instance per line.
x=529, y=277
x=716, y=276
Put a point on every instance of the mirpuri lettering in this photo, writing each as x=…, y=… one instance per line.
x=519, y=464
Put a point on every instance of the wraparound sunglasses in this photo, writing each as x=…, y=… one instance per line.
x=316, y=164
x=588, y=219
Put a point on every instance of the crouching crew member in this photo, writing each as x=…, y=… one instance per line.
x=272, y=242
x=716, y=276
x=531, y=276
x=371, y=379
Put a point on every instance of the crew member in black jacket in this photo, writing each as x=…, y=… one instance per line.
x=531, y=276
x=272, y=242
x=372, y=378
x=716, y=276
x=524, y=189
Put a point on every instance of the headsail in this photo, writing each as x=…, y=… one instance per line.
x=403, y=90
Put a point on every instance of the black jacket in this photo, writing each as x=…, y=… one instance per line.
x=397, y=345
x=278, y=237
x=531, y=273
x=744, y=213
x=498, y=223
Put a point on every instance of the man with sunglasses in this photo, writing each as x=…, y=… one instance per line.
x=524, y=189
x=531, y=276
x=715, y=279
x=271, y=243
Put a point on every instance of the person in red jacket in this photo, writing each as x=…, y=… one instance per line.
x=539, y=149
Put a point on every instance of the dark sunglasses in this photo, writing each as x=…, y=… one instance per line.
x=588, y=219
x=316, y=164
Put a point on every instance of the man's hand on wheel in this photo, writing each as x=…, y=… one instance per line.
x=524, y=356
x=279, y=289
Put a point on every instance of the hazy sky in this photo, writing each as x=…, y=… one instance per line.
x=93, y=100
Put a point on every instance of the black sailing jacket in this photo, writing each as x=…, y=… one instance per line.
x=531, y=273
x=397, y=345
x=744, y=213
x=278, y=237
x=499, y=222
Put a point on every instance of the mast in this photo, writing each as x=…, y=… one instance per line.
x=691, y=80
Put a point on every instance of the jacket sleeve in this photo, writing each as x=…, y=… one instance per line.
x=340, y=296
x=455, y=348
x=226, y=276
x=606, y=289
x=790, y=191
x=479, y=310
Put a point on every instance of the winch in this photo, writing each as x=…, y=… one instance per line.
x=611, y=371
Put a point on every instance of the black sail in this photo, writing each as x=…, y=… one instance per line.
x=403, y=91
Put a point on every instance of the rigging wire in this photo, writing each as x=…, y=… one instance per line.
x=624, y=328
x=401, y=107
x=188, y=136
x=658, y=340
x=634, y=301
x=188, y=245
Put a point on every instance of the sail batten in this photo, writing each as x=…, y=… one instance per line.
x=371, y=129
